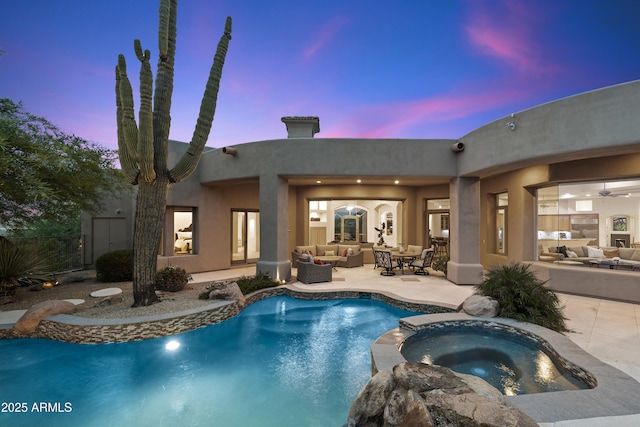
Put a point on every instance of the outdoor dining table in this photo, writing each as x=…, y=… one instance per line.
x=404, y=257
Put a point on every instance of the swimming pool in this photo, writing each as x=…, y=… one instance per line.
x=280, y=362
x=514, y=364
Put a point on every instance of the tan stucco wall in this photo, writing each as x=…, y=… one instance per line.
x=214, y=205
x=591, y=136
x=587, y=125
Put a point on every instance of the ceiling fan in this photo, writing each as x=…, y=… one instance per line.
x=606, y=193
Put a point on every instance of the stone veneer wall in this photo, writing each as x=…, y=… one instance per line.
x=82, y=330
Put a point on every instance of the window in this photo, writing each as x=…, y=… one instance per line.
x=350, y=224
x=589, y=213
x=183, y=232
x=502, y=204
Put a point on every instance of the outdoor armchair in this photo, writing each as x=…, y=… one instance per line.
x=425, y=260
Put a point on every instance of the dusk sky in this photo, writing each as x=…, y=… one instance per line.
x=367, y=68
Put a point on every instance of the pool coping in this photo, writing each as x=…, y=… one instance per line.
x=85, y=330
x=615, y=394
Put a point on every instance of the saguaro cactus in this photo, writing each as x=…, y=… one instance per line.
x=143, y=145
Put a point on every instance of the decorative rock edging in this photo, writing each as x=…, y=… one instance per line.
x=614, y=393
x=82, y=330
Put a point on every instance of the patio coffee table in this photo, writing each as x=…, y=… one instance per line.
x=620, y=265
x=333, y=260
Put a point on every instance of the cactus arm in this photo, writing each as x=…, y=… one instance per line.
x=190, y=159
x=128, y=121
x=128, y=164
x=145, y=120
x=163, y=33
x=164, y=83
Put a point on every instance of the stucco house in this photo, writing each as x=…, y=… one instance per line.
x=565, y=173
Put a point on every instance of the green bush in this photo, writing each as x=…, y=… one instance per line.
x=259, y=281
x=21, y=265
x=116, y=266
x=247, y=284
x=522, y=296
x=171, y=279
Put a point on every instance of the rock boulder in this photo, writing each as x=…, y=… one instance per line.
x=480, y=306
x=29, y=321
x=417, y=394
x=229, y=292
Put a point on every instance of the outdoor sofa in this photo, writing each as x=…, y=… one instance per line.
x=350, y=255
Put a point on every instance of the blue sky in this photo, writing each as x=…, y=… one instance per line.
x=367, y=68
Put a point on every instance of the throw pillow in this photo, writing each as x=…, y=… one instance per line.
x=345, y=252
x=329, y=253
x=578, y=250
x=317, y=261
x=610, y=253
x=571, y=254
x=350, y=251
x=562, y=250
x=594, y=252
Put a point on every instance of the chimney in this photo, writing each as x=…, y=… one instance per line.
x=301, y=127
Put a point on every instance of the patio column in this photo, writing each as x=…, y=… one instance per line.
x=274, y=225
x=464, y=267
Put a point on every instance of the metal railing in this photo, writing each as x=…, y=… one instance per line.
x=65, y=251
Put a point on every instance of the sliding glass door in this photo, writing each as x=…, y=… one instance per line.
x=245, y=236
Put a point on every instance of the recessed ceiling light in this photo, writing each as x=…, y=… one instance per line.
x=358, y=181
x=396, y=182
x=318, y=182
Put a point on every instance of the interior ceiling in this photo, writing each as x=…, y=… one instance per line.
x=589, y=190
x=366, y=180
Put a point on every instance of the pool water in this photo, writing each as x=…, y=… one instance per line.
x=280, y=362
x=510, y=362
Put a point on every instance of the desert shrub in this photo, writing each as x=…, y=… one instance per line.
x=171, y=279
x=22, y=265
x=116, y=266
x=522, y=296
x=440, y=263
x=247, y=284
x=254, y=283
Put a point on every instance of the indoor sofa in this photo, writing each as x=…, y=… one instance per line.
x=350, y=255
x=586, y=254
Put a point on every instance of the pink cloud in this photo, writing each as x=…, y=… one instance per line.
x=509, y=37
x=326, y=34
x=394, y=119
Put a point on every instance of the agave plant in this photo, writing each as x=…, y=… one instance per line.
x=522, y=296
x=21, y=265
